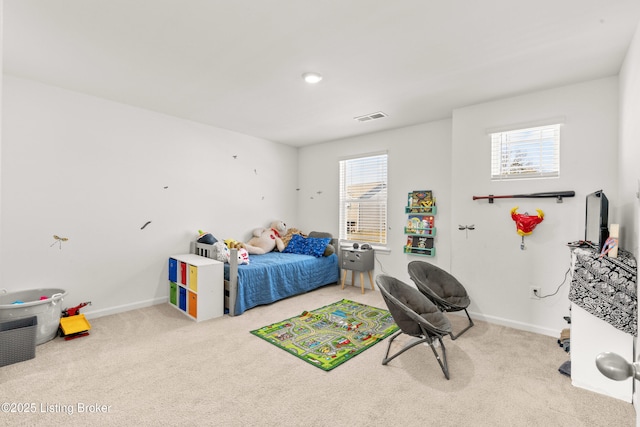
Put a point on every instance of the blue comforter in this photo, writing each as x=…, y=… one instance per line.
x=274, y=276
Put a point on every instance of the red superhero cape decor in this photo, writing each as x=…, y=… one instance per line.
x=525, y=223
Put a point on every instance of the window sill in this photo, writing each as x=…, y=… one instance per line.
x=377, y=248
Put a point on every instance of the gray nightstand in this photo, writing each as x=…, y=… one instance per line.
x=357, y=260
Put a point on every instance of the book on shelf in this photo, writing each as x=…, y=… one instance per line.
x=420, y=242
x=421, y=198
x=420, y=224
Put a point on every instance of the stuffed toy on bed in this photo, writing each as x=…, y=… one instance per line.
x=206, y=237
x=243, y=255
x=222, y=253
x=289, y=234
x=265, y=240
x=234, y=244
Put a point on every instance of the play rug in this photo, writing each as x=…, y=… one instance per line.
x=331, y=335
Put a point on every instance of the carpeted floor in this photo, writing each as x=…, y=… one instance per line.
x=156, y=367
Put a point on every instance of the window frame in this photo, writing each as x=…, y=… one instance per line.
x=540, y=144
x=375, y=189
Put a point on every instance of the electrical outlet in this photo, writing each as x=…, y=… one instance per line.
x=535, y=292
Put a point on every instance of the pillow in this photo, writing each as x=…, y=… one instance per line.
x=290, y=232
x=329, y=250
x=314, y=246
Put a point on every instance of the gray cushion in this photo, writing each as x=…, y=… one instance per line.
x=439, y=282
x=417, y=302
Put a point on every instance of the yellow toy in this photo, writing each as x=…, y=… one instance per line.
x=234, y=244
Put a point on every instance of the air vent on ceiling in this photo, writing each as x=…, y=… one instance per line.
x=369, y=117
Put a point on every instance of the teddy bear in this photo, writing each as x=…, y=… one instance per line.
x=265, y=240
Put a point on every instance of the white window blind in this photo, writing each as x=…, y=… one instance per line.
x=363, y=199
x=526, y=153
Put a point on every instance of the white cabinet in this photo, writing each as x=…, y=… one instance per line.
x=603, y=317
x=591, y=336
x=196, y=286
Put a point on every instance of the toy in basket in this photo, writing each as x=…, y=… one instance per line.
x=73, y=324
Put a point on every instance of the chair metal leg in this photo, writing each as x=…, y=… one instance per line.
x=387, y=359
x=442, y=360
x=453, y=337
x=444, y=365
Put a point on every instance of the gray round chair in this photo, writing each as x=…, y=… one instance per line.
x=441, y=288
x=416, y=316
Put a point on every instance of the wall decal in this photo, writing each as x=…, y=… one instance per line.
x=59, y=241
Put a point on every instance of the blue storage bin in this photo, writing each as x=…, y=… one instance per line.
x=183, y=299
x=173, y=270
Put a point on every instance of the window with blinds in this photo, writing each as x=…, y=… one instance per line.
x=526, y=153
x=363, y=199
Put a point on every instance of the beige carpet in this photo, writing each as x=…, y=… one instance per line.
x=156, y=367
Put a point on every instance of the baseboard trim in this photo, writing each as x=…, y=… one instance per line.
x=516, y=325
x=474, y=315
x=123, y=308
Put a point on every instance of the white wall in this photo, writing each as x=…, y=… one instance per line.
x=451, y=157
x=1, y=103
x=95, y=172
x=629, y=158
x=419, y=159
x=629, y=163
x=497, y=272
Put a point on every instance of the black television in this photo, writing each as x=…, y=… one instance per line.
x=596, y=227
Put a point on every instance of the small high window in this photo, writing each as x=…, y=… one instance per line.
x=526, y=153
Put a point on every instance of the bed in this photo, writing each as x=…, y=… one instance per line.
x=270, y=277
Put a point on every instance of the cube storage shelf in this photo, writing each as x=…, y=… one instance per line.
x=420, y=229
x=196, y=286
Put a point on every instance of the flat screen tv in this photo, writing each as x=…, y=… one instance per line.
x=596, y=228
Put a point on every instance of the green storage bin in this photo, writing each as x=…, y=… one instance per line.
x=173, y=292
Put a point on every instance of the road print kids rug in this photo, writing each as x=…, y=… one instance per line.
x=331, y=335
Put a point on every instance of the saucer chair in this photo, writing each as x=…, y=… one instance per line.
x=441, y=288
x=416, y=316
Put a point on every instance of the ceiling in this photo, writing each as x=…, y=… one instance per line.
x=237, y=64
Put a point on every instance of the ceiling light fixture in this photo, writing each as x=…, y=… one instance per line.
x=312, y=78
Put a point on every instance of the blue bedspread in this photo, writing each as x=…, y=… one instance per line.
x=274, y=276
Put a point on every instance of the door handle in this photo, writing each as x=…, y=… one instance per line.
x=616, y=367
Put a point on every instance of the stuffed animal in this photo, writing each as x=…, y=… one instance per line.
x=267, y=239
x=206, y=237
x=234, y=244
x=243, y=256
x=289, y=234
x=222, y=253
